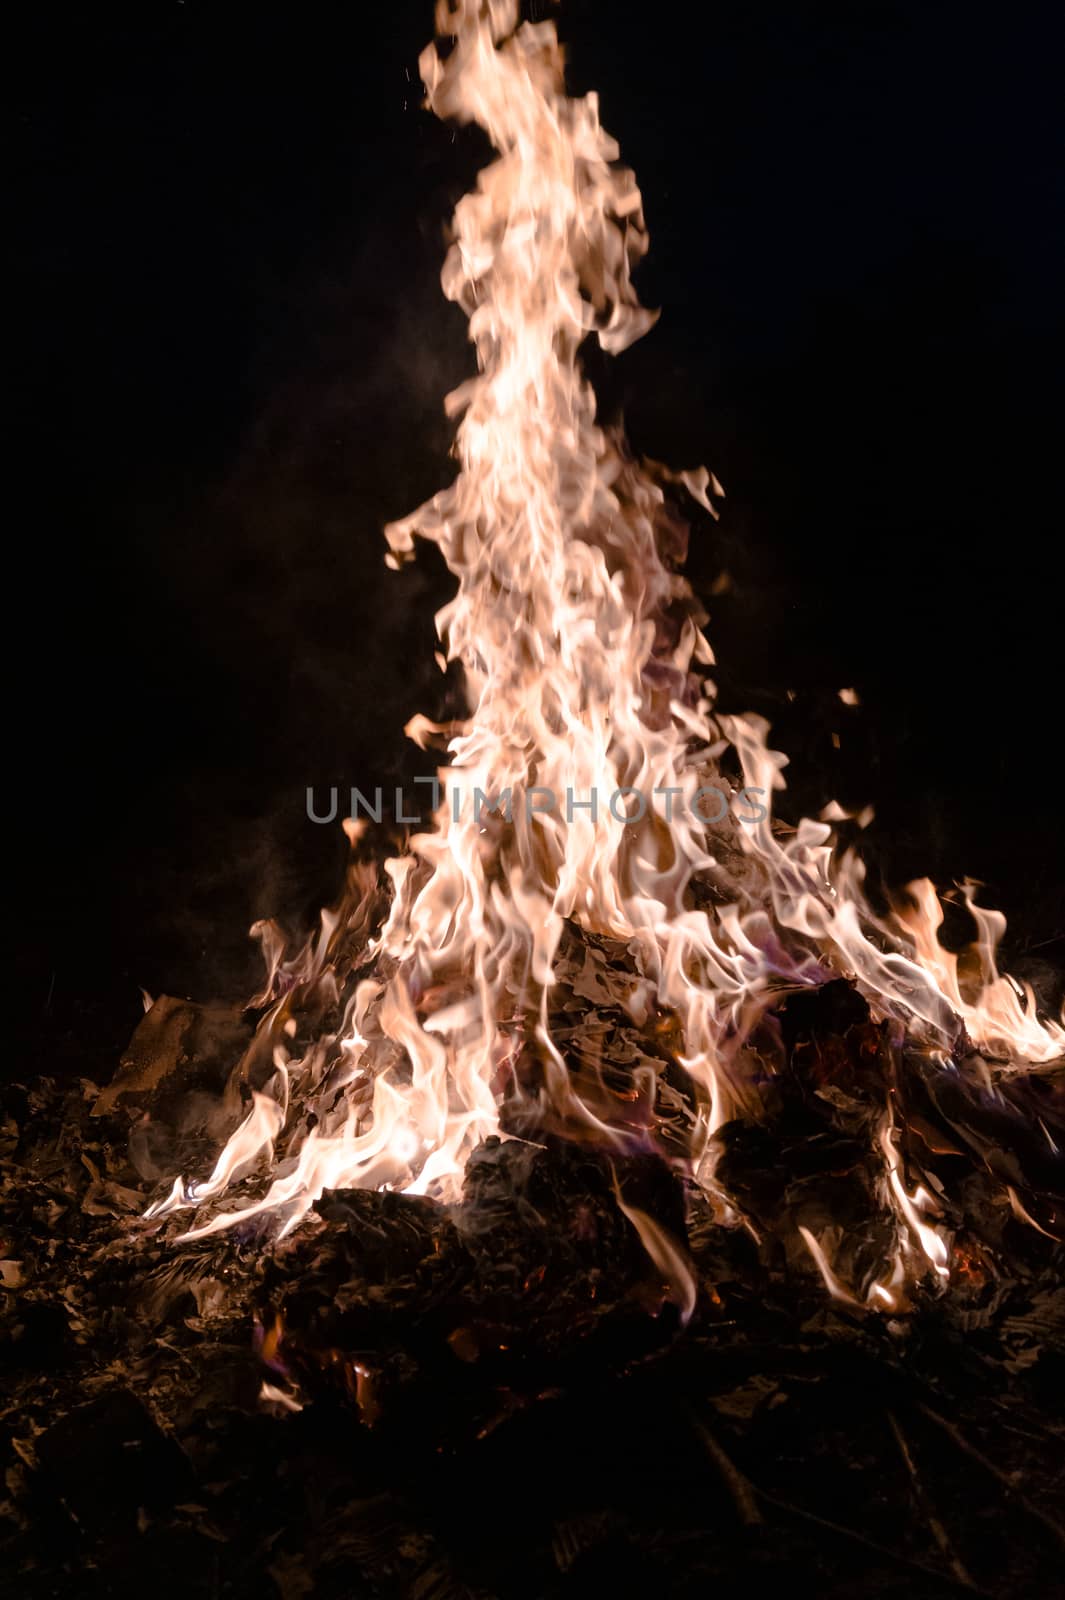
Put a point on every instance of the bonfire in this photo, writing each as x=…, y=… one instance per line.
x=608, y=1068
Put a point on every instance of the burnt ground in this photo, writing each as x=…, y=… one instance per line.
x=502, y=1400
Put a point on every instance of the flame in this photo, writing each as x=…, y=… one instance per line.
x=585, y=672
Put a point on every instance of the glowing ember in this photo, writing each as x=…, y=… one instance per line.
x=585, y=672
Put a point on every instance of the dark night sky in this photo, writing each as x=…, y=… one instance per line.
x=230, y=351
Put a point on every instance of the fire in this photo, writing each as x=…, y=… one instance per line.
x=586, y=675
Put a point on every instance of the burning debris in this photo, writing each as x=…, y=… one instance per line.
x=418, y=1025
x=504, y=1394
x=559, y=1096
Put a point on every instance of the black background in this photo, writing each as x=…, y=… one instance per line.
x=230, y=351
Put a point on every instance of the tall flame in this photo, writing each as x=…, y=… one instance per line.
x=584, y=665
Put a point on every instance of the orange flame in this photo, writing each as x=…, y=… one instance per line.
x=574, y=687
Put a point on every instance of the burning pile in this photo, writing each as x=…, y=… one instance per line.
x=585, y=948
x=608, y=1053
